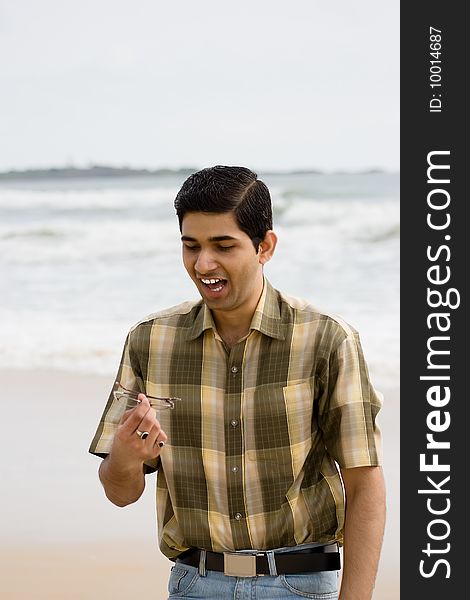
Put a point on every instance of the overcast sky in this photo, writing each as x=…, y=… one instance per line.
x=147, y=83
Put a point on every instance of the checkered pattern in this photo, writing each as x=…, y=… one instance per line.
x=252, y=445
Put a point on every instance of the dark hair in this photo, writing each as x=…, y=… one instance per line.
x=223, y=189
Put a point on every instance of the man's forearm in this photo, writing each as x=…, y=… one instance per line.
x=123, y=485
x=122, y=471
x=363, y=535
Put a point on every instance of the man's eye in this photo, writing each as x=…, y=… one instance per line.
x=191, y=248
x=225, y=248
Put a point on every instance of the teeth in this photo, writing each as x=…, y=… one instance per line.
x=207, y=281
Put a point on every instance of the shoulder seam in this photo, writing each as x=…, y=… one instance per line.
x=301, y=304
x=180, y=309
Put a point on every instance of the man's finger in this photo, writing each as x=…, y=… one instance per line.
x=133, y=416
x=161, y=438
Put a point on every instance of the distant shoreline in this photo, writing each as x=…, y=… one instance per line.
x=99, y=171
x=90, y=172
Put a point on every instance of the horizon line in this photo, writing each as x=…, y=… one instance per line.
x=104, y=170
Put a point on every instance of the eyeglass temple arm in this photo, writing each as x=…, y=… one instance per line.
x=148, y=395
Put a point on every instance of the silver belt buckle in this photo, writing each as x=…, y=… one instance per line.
x=239, y=565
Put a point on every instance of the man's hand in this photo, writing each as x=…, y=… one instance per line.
x=122, y=471
x=128, y=447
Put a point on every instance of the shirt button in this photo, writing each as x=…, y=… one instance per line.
x=238, y=516
x=234, y=422
x=234, y=469
x=234, y=369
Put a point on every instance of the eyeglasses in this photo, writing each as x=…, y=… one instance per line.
x=131, y=397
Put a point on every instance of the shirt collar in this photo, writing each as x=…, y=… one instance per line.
x=266, y=318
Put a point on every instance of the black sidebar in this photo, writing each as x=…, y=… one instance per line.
x=435, y=359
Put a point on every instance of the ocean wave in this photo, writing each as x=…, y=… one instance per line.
x=33, y=233
x=376, y=236
x=85, y=200
x=336, y=218
x=74, y=241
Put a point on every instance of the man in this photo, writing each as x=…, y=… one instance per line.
x=276, y=419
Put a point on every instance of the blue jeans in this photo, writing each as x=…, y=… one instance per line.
x=185, y=582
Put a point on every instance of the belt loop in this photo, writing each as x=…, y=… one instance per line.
x=202, y=563
x=272, y=563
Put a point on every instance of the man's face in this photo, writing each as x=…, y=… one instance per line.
x=222, y=261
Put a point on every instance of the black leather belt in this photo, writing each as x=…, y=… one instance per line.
x=309, y=560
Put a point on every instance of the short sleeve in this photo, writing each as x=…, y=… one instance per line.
x=348, y=408
x=128, y=376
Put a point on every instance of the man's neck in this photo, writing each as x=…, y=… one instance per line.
x=232, y=332
x=234, y=325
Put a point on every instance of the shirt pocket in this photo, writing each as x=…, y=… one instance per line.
x=298, y=399
x=278, y=425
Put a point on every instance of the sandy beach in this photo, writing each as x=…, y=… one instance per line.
x=60, y=537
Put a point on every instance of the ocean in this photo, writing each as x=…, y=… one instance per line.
x=82, y=260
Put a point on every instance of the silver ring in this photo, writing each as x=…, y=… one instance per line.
x=142, y=434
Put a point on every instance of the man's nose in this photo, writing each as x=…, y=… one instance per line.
x=205, y=262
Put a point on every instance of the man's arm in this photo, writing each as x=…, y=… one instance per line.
x=363, y=531
x=122, y=471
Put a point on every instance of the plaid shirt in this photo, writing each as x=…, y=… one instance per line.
x=252, y=446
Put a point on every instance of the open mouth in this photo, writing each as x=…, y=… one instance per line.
x=214, y=285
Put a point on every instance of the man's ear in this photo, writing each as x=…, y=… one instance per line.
x=267, y=247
